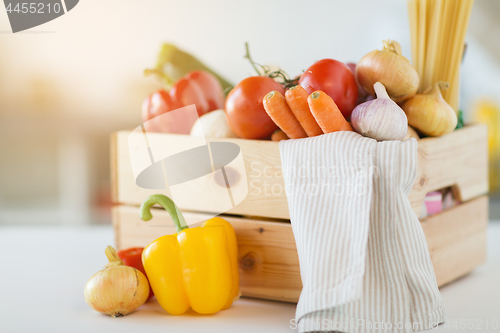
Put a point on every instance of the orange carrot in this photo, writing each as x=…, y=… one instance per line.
x=296, y=97
x=279, y=135
x=280, y=113
x=326, y=113
x=347, y=127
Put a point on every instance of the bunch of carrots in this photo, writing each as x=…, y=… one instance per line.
x=299, y=115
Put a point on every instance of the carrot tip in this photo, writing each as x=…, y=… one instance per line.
x=315, y=95
x=270, y=95
x=294, y=87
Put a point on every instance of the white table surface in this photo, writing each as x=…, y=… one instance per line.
x=44, y=270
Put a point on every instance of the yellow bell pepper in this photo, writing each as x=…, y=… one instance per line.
x=196, y=267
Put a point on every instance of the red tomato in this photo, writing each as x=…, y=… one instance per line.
x=197, y=87
x=132, y=257
x=336, y=80
x=245, y=113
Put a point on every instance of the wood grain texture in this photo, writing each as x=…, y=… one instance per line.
x=268, y=260
x=114, y=167
x=457, y=239
x=458, y=159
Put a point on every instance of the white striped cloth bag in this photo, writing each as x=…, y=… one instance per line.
x=364, y=261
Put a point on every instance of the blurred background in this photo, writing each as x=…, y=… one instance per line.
x=67, y=85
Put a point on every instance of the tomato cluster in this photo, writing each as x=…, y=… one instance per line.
x=245, y=111
x=244, y=104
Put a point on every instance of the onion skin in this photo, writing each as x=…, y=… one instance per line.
x=411, y=134
x=116, y=290
x=391, y=69
x=430, y=114
x=362, y=94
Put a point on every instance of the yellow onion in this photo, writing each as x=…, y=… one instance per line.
x=117, y=289
x=429, y=113
x=411, y=134
x=390, y=68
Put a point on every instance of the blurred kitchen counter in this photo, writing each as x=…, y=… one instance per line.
x=45, y=270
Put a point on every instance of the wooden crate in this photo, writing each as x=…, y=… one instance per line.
x=458, y=160
x=268, y=261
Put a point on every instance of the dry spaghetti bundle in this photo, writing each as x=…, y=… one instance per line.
x=438, y=29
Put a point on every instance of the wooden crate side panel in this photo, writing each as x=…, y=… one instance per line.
x=458, y=159
x=266, y=190
x=268, y=260
x=131, y=231
x=457, y=239
x=460, y=258
x=114, y=165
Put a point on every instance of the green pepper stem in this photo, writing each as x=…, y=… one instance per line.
x=168, y=205
x=174, y=63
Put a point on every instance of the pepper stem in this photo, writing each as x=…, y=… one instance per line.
x=380, y=90
x=174, y=63
x=168, y=205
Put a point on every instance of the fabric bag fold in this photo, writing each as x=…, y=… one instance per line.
x=364, y=262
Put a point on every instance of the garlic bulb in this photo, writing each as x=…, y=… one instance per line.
x=429, y=113
x=117, y=289
x=381, y=118
x=212, y=125
x=390, y=68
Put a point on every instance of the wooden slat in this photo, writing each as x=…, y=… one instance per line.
x=114, y=167
x=457, y=239
x=458, y=159
x=268, y=260
x=266, y=190
x=269, y=265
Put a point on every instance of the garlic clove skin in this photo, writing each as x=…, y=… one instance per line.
x=429, y=113
x=212, y=125
x=116, y=290
x=391, y=68
x=380, y=119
